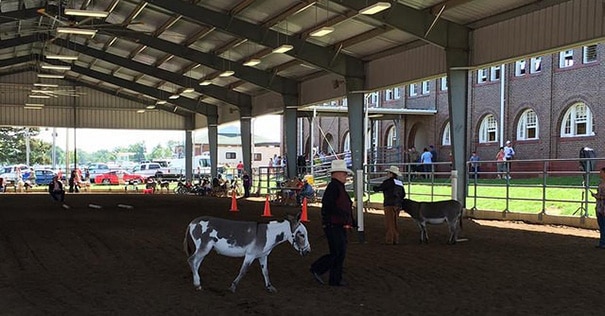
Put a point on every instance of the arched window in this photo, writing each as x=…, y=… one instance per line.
x=392, y=137
x=488, y=132
x=528, y=126
x=577, y=121
x=346, y=143
x=446, y=140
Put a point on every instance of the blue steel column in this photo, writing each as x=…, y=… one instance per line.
x=290, y=123
x=213, y=138
x=457, y=80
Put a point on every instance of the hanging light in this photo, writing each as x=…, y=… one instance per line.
x=62, y=57
x=77, y=31
x=205, y=82
x=188, y=90
x=322, y=31
x=252, y=62
x=174, y=96
x=87, y=13
x=55, y=67
x=375, y=8
x=51, y=76
x=282, y=49
x=227, y=73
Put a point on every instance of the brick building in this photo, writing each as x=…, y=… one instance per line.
x=546, y=105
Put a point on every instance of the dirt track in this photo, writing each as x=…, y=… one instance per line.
x=113, y=261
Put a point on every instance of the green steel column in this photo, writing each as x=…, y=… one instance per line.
x=290, y=123
x=213, y=138
x=246, y=135
x=457, y=80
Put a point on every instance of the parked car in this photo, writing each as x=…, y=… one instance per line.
x=9, y=173
x=44, y=176
x=118, y=177
x=95, y=169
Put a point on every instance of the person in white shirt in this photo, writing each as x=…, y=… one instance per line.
x=509, y=154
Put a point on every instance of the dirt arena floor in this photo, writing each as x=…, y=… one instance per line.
x=114, y=261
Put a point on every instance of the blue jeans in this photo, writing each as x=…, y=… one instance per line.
x=601, y=222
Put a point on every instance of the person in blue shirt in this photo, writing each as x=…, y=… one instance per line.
x=305, y=192
x=426, y=159
x=474, y=160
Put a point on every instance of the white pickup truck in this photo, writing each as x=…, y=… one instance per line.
x=154, y=169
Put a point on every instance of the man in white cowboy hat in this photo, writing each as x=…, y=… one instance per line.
x=393, y=192
x=336, y=217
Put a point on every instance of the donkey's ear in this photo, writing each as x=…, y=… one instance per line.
x=298, y=216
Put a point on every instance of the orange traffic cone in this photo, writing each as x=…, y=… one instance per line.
x=233, y=202
x=303, y=216
x=267, y=212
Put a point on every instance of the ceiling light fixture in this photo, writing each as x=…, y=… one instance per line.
x=227, y=73
x=34, y=104
x=188, y=90
x=282, y=49
x=47, y=85
x=74, y=30
x=55, y=67
x=51, y=76
x=206, y=83
x=62, y=57
x=252, y=62
x=27, y=107
x=375, y=8
x=174, y=96
x=39, y=96
x=322, y=31
x=150, y=107
x=88, y=13
x=140, y=111
x=160, y=102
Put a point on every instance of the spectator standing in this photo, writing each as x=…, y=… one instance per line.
x=501, y=163
x=433, y=153
x=475, y=168
x=600, y=208
x=73, y=181
x=240, y=168
x=336, y=217
x=509, y=154
x=426, y=159
x=414, y=157
x=32, y=177
x=393, y=192
x=247, y=183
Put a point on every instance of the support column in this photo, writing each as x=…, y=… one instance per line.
x=246, y=135
x=213, y=138
x=190, y=124
x=290, y=150
x=356, y=129
x=457, y=80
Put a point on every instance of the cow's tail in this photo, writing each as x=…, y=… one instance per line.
x=188, y=243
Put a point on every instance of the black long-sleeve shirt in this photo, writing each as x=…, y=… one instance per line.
x=389, y=190
x=336, y=205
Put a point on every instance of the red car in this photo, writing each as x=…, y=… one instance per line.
x=117, y=177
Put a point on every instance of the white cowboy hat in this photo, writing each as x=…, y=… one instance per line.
x=340, y=165
x=394, y=170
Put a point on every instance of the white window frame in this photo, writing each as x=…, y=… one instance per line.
x=527, y=123
x=346, y=146
x=589, y=54
x=520, y=68
x=372, y=98
x=391, y=137
x=495, y=73
x=566, y=58
x=482, y=75
x=426, y=88
x=577, y=117
x=388, y=94
x=535, y=64
x=446, y=140
x=444, y=83
x=344, y=102
x=397, y=93
x=413, y=89
x=488, y=131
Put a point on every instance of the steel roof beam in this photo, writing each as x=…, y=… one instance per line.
x=255, y=76
x=326, y=58
x=417, y=23
x=217, y=92
x=24, y=14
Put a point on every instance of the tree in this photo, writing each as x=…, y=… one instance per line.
x=12, y=143
x=160, y=152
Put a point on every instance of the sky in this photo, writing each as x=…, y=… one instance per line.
x=91, y=140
